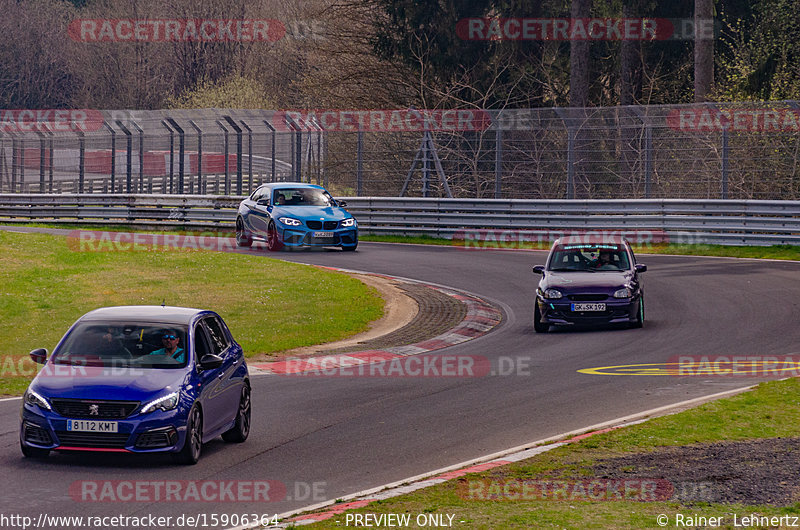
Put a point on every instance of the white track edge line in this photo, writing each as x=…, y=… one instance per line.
x=621, y=421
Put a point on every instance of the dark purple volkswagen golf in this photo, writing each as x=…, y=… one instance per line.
x=587, y=281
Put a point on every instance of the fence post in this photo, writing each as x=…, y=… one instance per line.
x=570, y=163
x=725, y=156
x=227, y=168
x=238, y=131
x=113, y=155
x=171, y=158
x=249, y=156
x=181, y=152
x=141, y=158
x=648, y=159
x=566, y=117
x=81, y=160
x=360, y=164
x=128, y=156
x=498, y=162
x=272, y=132
x=297, y=149
x=199, y=157
x=52, y=161
x=14, y=163
x=41, y=160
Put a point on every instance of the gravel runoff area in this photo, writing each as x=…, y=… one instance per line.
x=750, y=472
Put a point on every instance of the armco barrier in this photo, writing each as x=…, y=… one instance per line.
x=681, y=221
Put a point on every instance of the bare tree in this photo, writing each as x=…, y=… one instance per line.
x=579, y=59
x=703, y=50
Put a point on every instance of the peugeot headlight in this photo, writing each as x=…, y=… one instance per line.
x=553, y=294
x=625, y=292
x=290, y=221
x=32, y=398
x=168, y=402
x=349, y=222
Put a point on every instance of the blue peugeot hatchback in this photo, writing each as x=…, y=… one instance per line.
x=294, y=214
x=138, y=379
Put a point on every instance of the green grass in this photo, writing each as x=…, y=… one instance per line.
x=770, y=410
x=784, y=252
x=269, y=305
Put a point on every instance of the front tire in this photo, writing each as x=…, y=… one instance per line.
x=639, y=315
x=241, y=429
x=538, y=326
x=274, y=242
x=193, y=444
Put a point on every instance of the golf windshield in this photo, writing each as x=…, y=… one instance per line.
x=124, y=345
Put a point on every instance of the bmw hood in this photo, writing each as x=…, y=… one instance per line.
x=88, y=382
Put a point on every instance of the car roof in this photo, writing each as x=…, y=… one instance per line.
x=591, y=239
x=281, y=185
x=145, y=313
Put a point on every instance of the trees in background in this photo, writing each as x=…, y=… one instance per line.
x=389, y=53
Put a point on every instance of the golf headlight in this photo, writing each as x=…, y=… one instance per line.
x=348, y=222
x=32, y=398
x=552, y=294
x=290, y=221
x=168, y=402
x=623, y=293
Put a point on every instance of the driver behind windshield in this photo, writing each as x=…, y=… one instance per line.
x=170, y=345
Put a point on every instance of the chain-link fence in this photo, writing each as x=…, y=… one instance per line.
x=710, y=151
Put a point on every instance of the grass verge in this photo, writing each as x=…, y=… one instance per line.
x=783, y=252
x=771, y=410
x=270, y=305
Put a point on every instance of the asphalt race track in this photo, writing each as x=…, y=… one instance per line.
x=350, y=434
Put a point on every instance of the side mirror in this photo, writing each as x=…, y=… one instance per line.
x=538, y=269
x=342, y=204
x=641, y=267
x=39, y=355
x=210, y=361
x=262, y=202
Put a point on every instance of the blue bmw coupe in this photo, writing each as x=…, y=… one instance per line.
x=292, y=215
x=138, y=379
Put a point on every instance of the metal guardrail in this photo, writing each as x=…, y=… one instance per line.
x=731, y=222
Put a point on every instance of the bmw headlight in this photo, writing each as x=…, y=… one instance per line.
x=625, y=292
x=32, y=398
x=553, y=294
x=348, y=222
x=168, y=402
x=290, y=221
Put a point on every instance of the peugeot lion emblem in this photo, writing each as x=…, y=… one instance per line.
x=94, y=410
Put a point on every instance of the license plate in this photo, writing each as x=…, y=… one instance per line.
x=91, y=426
x=588, y=307
x=323, y=234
